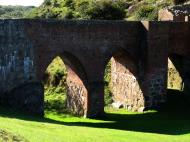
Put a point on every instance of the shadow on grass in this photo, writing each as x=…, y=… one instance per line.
x=172, y=119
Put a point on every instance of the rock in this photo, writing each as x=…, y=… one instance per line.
x=141, y=109
x=117, y=105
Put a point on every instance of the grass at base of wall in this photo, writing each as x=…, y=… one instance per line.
x=117, y=126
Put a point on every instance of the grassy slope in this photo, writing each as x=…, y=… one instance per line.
x=8, y=137
x=14, y=11
x=120, y=126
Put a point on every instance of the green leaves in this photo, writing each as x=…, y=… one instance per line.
x=81, y=9
x=13, y=11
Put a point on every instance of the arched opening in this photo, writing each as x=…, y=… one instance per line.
x=64, y=84
x=124, y=82
x=55, y=86
x=179, y=73
x=108, y=96
x=175, y=81
x=178, y=95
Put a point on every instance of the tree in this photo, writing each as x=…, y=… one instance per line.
x=81, y=9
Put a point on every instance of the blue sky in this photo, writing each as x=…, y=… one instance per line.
x=21, y=2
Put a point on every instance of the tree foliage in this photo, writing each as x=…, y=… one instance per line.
x=14, y=11
x=81, y=9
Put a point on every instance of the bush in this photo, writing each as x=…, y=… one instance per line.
x=55, y=99
x=107, y=91
x=81, y=9
x=54, y=82
x=147, y=12
x=54, y=9
x=14, y=11
x=103, y=10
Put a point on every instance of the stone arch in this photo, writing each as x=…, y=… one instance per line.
x=77, y=88
x=126, y=82
x=76, y=81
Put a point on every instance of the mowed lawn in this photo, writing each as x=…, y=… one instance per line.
x=117, y=126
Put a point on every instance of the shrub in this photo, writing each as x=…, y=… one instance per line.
x=107, y=91
x=147, y=12
x=81, y=9
x=103, y=9
x=55, y=99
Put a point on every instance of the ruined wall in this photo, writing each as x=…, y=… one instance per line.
x=17, y=68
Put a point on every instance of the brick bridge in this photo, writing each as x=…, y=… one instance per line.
x=138, y=51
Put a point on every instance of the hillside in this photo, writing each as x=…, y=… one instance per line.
x=102, y=9
x=14, y=11
x=92, y=9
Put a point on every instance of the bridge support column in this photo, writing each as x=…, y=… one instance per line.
x=95, y=107
x=76, y=94
x=157, y=64
x=28, y=98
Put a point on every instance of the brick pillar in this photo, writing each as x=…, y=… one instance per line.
x=76, y=94
x=95, y=101
x=28, y=98
x=157, y=63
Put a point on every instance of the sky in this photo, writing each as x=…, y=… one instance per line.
x=21, y=2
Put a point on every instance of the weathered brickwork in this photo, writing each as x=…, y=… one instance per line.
x=139, y=66
x=125, y=86
x=16, y=56
x=76, y=94
x=17, y=69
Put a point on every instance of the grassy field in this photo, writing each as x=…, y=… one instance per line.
x=117, y=126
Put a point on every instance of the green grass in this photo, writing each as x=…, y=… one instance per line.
x=8, y=137
x=117, y=126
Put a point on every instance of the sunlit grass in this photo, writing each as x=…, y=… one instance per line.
x=117, y=126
